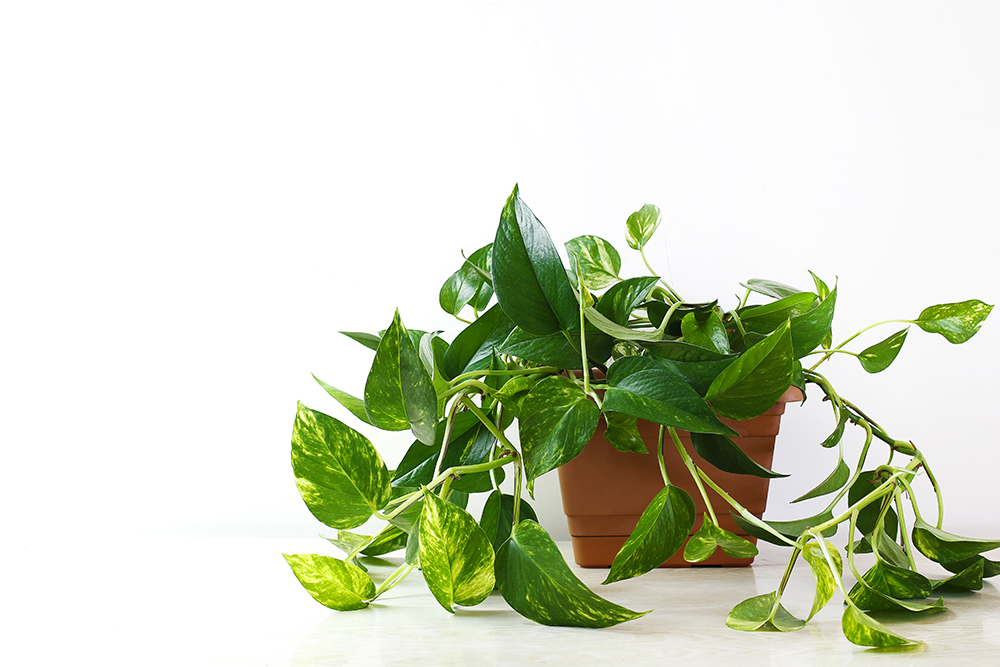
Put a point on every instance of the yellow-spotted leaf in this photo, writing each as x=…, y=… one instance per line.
x=662, y=529
x=709, y=537
x=863, y=630
x=826, y=582
x=332, y=582
x=762, y=613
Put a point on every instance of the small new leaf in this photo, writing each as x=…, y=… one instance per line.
x=640, y=226
x=595, y=259
x=879, y=356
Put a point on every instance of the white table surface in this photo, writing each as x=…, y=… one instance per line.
x=201, y=601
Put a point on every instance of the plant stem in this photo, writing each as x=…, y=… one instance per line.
x=744, y=512
x=693, y=469
x=401, y=573
x=913, y=501
x=518, y=473
x=447, y=435
x=861, y=464
x=585, y=365
x=475, y=384
x=652, y=272
x=884, y=488
x=829, y=353
x=659, y=455
x=937, y=490
x=517, y=371
x=902, y=530
x=490, y=426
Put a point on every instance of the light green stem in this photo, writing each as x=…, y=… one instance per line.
x=447, y=436
x=401, y=573
x=693, y=469
x=585, y=364
x=517, y=371
x=830, y=353
x=902, y=530
x=861, y=464
x=744, y=512
x=652, y=272
x=468, y=384
x=659, y=456
x=490, y=426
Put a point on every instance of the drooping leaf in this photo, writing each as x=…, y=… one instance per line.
x=944, y=547
x=706, y=331
x=347, y=541
x=498, y=517
x=333, y=583
x=641, y=225
x=727, y=456
x=990, y=568
x=596, y=259
x=398, y=393
x=468, y=285
x=771, y=288
x=559, y=349
x=754, y=382
x=557, y=420
x=697, y=365
x=620, y=332
x=867, y=482
x=369, y=340
x=473, y=348
x=623, y=433
x=662, y=529
x=528, y=276
x=354, y=404
x=703, y=544
x=790, y=529
x=969, y=579
x=645, y=388
x=762, y=613
x=835, y=482
x=470, y=444
x=389, y=540
x=957, y=322
x=886, y=587
x=826, y=581
x=834, y=438
x=863, y=630
x=514, y=391
x=879, y=356
x=622, y=298
x=810, y=328
x=340, y=475
x=455, y=555
x=536, y=582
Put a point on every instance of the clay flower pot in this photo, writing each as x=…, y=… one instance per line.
x=604, y=491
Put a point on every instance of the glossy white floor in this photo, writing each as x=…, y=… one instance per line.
x=235, y=602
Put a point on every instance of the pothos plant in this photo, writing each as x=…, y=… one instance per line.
x=528, y=358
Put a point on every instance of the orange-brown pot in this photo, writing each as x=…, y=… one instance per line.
x=604, y=491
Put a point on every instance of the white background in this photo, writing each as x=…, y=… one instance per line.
x=196, y=196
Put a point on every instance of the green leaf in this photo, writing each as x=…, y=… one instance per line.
x=810, y=328
x=399, y=394
x=514, y=391
x=754, y=382
x=877, y=358
x=703, y=544
x=352, y=403
x=727, y=456
x=535, y=580
x=641, y=225
x=557, y=420
x=455, y=555
x=771, y=288
x=618, y=302
x=596, y=259
x=645, y=388
x=768, y=317
x=958, y=322
x=834, y=438
x=620, y=332
x=369, y=340
x=661, y=531
x=340, y=475
x=528, y=276
x=826, y=581
x=333, y=583
x=762, y=613
x=868, y=481
x=557, y=349
x=623, y=433
x=698, y=366
x=885, y=587
x=944, y=547
x=863, y=630
x=821, y=288
x=392, y=539
x=470, y=444
x=790, y=529
x=473, y=348
x=969, y=579
x=835, y=482
x=498, y=517
x=990, y=568
x=706, y=331
x=467, y=285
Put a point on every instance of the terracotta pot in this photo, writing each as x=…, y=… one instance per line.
x=604, y=491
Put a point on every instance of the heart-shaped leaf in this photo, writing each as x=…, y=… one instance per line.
x=455, y=555
x=766, y=318
x=990, y=568
x=703, y=544
x=945, y=547
x=662, y=529
x=706, y=330
x=473, y=348
x=726, y=455
x=879, y=356
x=557, y=420
x=810, y=328
x=826, y=580
x=834, y=438
x=595, y=259
x=557, y=349
x=332, y=582
x=468, y=284
x=957, y=322
x=835, y=482
x=886, y=586
x=340, y=475
x=622, y=298
x=754, y=382
x=770, y=288
x=640, y=226
x=536, y=582
x=623, y=433
x=868, y=481
x=790, y=529
x=354, y=404
x=969, y=579
x=863, y=630
x=762, y=612
x=498, y=517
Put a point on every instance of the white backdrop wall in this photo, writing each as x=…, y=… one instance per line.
x=196, y=196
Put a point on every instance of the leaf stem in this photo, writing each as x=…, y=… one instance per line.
x=490, y=426
x=861, y=464
x=829, y=353
x=902, y=529
x=659, y=456
x=937, y=489
x=517, y=371
x=401, y=573
x=585, y=364
x=652, y=272
x=693, y=469
x=468, y=384
x=447, y=435
x=518, y=474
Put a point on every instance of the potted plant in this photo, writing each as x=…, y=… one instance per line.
x=563, y=347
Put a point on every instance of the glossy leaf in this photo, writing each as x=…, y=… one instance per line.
x=369, y=340
x=557, y=420
x=467, y=285
x=698, y=366
x=333, y=583
x=945, y=547
x=835, y=482
x=821, y=287
x=990, y=568
x=456, y=557
x=766, y=318
x=834, y=438
x=641, y=225
x=470, y=444
x=969, y=579
x=727, y=456
x=645, y=388
x=664, y=525
x=622, y=298
x=709, y=537
x=706, y=331
x=399, y=394
x=622, y=433
x=620, y=332
x=863, y=630
x=790, y=529
x=536, y=582
x=340, y=475
x=762, y=613
x=528, y=276
x=868, y=481
x=558, y=349
x=354, y=404
x=754, y=382
x=596, y=259
x=498, y=517
x=810, y=328
x=957, y=322
x=879, y=356
x=887, y=587
x=388, y=541
x=771, y=288
x=826, y=581
x=473, y=348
